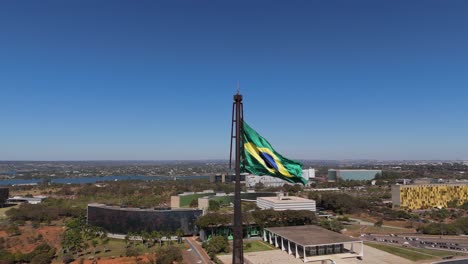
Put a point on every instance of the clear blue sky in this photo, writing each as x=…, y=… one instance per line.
x=84, y=80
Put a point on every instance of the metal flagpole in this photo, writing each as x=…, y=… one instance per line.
x=237, y=254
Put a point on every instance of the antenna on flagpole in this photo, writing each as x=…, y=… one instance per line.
x=236, y=133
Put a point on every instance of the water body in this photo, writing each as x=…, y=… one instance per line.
x=83, y=180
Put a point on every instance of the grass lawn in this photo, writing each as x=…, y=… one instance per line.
x=257, y=246
x=413, y=254
x=4, y=209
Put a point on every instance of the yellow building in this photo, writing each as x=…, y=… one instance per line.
x=427, y=196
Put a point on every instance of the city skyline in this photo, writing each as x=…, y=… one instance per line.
x=115, y=80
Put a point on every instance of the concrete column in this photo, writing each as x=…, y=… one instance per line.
x=276, y=241
x=269, y=235
x=282, y=244
x=297, y=252
x=289, y=248
x=265, y=235
x=304, y=249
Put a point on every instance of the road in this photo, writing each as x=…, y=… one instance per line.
x=203, y=258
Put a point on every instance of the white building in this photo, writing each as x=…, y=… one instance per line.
x=269, y=181
x=281, y=203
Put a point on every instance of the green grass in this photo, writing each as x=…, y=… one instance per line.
x=257, y=246
x=413, y=254
x=4, y=209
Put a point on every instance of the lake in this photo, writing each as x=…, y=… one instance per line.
x=82, y=180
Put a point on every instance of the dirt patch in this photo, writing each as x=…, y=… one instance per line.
x=29, y=238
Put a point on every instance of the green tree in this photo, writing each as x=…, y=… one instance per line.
x=168, y=255
x=214, y=205
x=179, y=233
x=379, y=223
x=216, y=245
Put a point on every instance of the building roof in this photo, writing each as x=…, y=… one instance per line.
x=310, y=235
x=125, y=208
x=286, y=199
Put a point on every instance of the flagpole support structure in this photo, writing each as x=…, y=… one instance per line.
x=237, y=121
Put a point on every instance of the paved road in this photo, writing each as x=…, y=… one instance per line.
x=202, y=256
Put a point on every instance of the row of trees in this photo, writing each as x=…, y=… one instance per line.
x=459, y=227
x=149, y=239
x=79, y=236
x=42, y=212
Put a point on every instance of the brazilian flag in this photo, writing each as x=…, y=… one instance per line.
x=261, y=159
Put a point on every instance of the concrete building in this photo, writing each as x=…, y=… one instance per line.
x=269, y=181
x=281, y=203
x=223, y=178
x=29, y=200
x=427, y=196
x=184, y=199
x=228, y=199
x=314, y=244
x=357, y=175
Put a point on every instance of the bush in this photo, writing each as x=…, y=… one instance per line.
x=67, y=258
x=379, y=223
x=168, y=254
x=216, y=245
x=132, y=252
x=42, y=258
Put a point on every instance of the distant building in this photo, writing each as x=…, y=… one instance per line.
x=224, y=178
x=29, y=200
x=227, y=199
x=184, y=199
x=4, y=193
x=282, y=203
x=403, y=181
x=357, y=175
x=122, y=220
x=427, y=196
x=269, y=181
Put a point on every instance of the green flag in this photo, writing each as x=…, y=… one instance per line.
x=261, y=159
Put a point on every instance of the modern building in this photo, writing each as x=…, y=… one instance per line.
x=403, y=181
x=357, y=175
x=427, y=196
x=4, y=193
x=269, y=181
x=122, y=220
x=281, y=203
x=227, y=199
x=223, y=178
x=314, y=244
x=29, y=200
x=184, y=199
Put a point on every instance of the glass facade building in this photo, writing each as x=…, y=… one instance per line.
x=118, y=220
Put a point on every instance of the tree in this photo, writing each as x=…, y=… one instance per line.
x=132, y=252
x=194, y=203
x=214, y=205
x=67, y=258
x=379, y=223
x=42, y=258
x=179, y=233
x=216, y=245
x=168, y=254
x=94, y=242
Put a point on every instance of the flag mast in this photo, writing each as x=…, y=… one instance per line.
x=238, y=110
